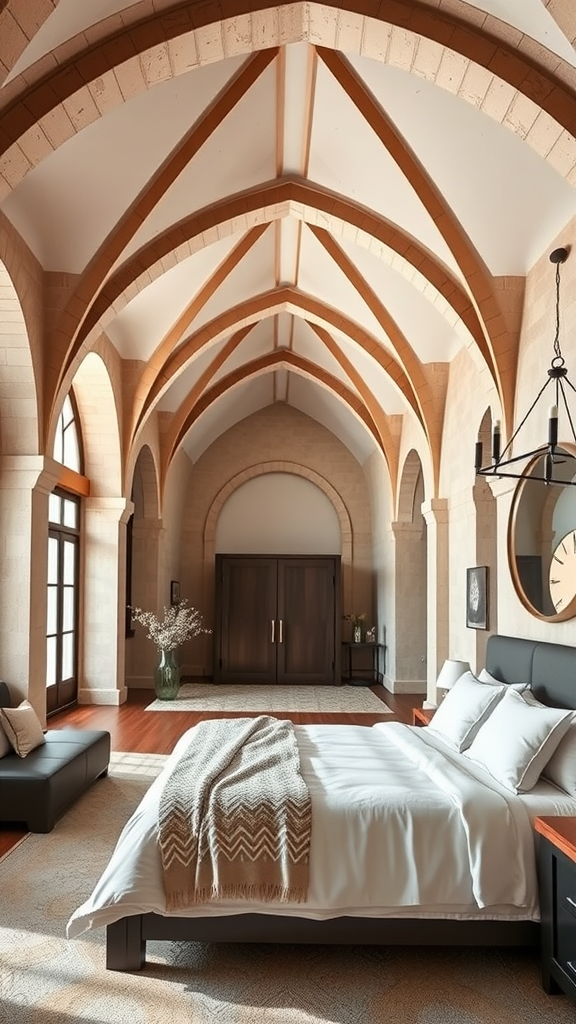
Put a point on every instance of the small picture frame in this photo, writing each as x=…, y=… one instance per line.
x=371, y=635
x=174, y=592
x=477, y=597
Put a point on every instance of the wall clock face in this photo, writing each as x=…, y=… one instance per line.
x=562, y=576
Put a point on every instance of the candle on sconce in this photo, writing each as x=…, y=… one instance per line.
x=496, y=438
x=553, y=426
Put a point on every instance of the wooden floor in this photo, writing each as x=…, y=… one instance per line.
x=132, y=728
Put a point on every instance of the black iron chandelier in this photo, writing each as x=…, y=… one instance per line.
x=553, y=457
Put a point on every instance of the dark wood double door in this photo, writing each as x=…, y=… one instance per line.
x=277, y=619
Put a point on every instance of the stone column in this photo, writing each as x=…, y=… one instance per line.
x=27, y=480
x=147, y=549
x=102, y=647
x=435, y=513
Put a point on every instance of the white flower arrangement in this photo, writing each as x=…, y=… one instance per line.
x=356, y=618
x=179, y=624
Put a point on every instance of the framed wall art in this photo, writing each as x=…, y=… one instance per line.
x=477, y=597
x=174, y=592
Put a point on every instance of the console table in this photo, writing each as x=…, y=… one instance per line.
x=355, y=667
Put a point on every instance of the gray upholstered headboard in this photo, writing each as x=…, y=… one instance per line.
x=5, y=698
x=550, y=669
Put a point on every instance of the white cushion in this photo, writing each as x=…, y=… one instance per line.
x=464, y=708
x=22, y=727
x=561, y=768
x=485, y=677
x=518, y=739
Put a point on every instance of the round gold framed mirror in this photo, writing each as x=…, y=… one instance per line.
x=542, y=540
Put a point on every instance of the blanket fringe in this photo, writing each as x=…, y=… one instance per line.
x=263, y=893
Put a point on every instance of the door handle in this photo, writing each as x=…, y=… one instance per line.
x=272, y=631
x=280, y=631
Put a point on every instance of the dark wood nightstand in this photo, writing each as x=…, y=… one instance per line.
x=557, y=876
x=422, y=716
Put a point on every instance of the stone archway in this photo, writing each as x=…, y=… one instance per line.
x=106, y=511
x=346, y=534
x=410, y=585
x=486, y=542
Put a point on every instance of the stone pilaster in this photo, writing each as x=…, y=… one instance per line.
x=102, y=648
x=435, y=513
x=26, y=482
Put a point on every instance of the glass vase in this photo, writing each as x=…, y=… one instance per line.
x=167, y=676
x=357, y=634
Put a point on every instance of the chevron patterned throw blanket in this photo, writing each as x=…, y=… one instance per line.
x=235, y=816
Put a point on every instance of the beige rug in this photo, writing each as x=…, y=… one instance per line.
x=46, y=979
x=357, y=700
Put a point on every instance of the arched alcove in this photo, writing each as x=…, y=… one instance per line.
x=486, y=544
x=411, y=558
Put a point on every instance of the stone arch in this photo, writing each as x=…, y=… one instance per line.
x=146, y=540
x=153, y=41
x=486, y=539
x=411, y=473
x=294, y=468
x=20, y=425
x=100, y=427
x=411, y=576
x=18, y=26
x=145, y=485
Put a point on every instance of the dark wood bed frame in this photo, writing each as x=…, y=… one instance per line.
x=551, y=671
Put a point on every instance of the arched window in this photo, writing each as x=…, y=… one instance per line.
x=64, y=523
x=67, y=447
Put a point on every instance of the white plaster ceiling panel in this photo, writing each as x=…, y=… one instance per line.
x=321, y=276
x=240, y=153
x=113, y=159
x=281, y=384
x=243, y=400
x=324, y=407
x=253, y=275
x=433, y=336
x=309, y=345
x=68, y=19
x=298, y=58
x=288, y=231
x=507, y=198
x=259, y=342
x=285, y=324
x=364, y=171
x=146, y=319
x=532, y=18
x=382, y=387
x=178, y=391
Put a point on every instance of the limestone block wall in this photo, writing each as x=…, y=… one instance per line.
x=282, y=436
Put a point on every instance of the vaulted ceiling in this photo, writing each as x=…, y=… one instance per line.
x=291, y=203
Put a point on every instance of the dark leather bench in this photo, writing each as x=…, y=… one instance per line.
x=38, y=788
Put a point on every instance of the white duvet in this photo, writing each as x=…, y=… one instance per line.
x=400, y=827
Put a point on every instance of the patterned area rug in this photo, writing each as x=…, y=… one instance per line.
x=356, y=700
x=46, y=979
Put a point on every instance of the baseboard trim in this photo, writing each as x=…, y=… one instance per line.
x=114, y=697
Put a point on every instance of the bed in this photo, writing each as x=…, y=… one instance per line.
x=414, y=859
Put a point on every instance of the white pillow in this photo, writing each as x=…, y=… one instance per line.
x=518, y=740
x=485, y=677
x=463, y=710
x=22, y=727
x=561, y=768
